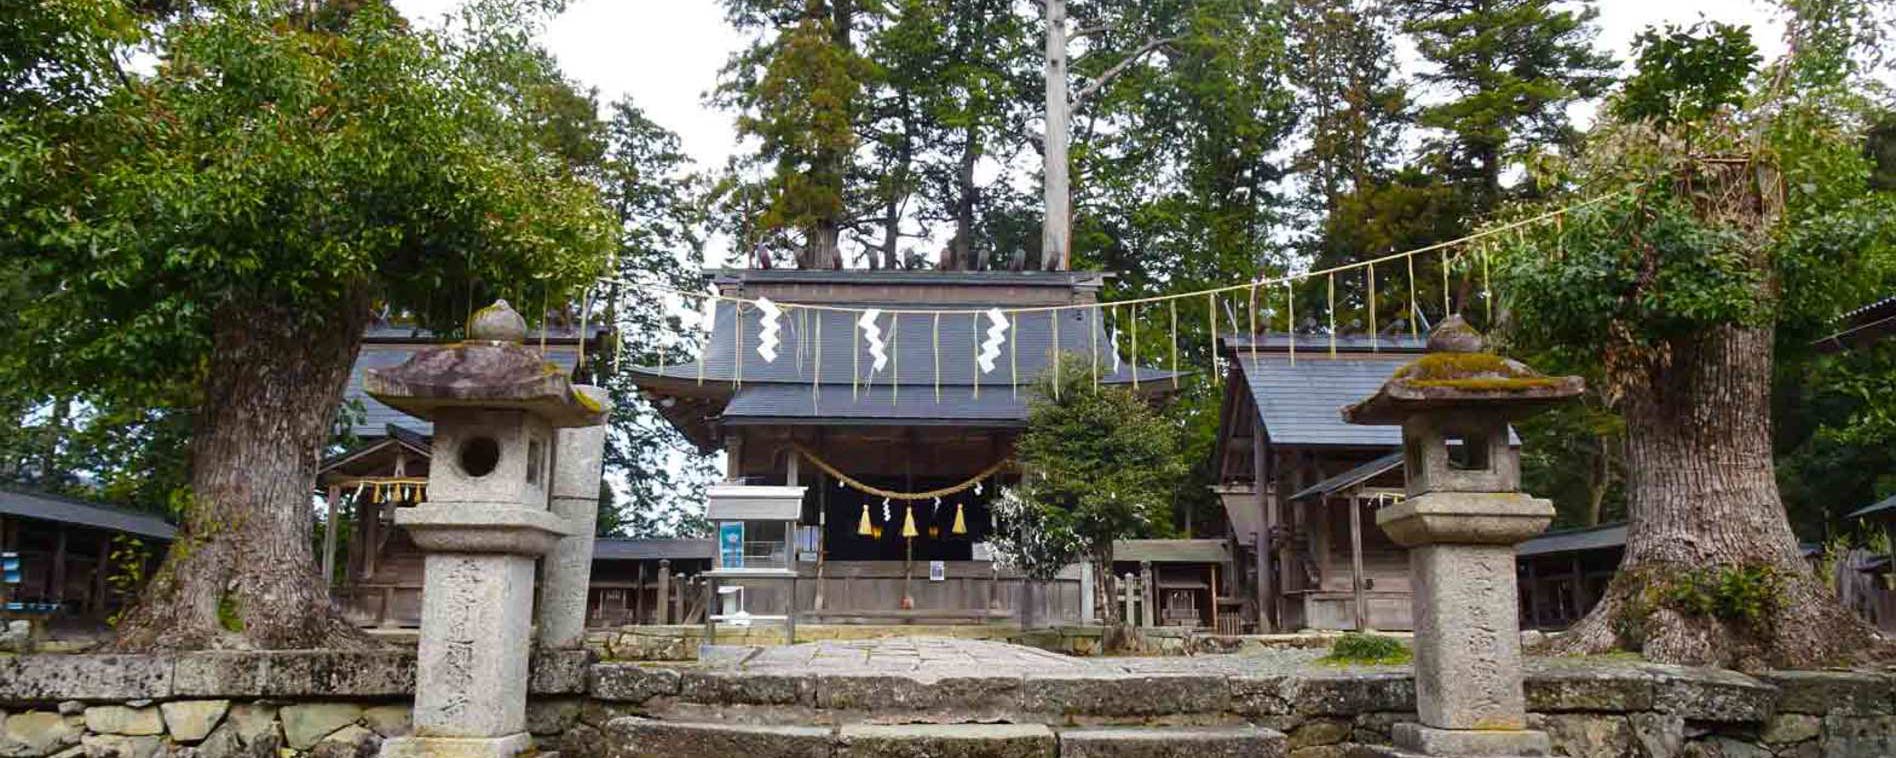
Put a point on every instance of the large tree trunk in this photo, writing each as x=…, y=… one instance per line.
x=1056, y=232
x=1703, y=498
x=242, y=573
x=961, y=247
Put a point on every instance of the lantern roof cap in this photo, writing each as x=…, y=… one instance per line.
x=492, y=369
x=1458, y=374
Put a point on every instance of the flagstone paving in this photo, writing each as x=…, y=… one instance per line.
x=926, y=657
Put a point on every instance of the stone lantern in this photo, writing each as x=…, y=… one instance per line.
x=497, y=407
x=1463, y=515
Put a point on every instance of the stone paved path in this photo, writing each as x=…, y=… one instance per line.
x=926, y=656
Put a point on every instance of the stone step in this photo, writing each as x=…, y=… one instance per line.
x=1173, y=742
x=638, y=737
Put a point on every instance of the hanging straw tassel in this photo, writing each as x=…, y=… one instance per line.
x=1290, y=318
x=934, y=336
x=1332, y=284
x=1375, y=342
x=1415, y=325
x=908, y=523
x=1211, y=320
x=866, y=527
x=961, y=522
x=1173, y=306
x=1446, y=307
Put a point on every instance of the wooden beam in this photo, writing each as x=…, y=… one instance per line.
x=58, y=590
x=1356, y=563
x=1266, y=583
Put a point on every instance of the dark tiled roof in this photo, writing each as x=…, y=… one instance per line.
x=1352, y=477
x=1300, y=404
x=385, y=354
x=621, y=549
x=915, y=343
x=64, y=510
x=1883, y=506
x=1573, y=540
x=911, y=405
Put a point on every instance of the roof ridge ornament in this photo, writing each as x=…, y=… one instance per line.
x=497, y=323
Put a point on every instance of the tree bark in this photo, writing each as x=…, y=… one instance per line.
x=1703, y=497
x=961, y=251
x=1056, y=231
x=243, y=573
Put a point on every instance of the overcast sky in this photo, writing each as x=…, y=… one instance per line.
x=666, y=53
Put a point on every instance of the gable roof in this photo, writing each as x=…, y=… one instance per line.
x=624, y=549
x=1300, y=403
x=1352, y=477
x=1887, y=504
x=64, y=510
x=1600, y=537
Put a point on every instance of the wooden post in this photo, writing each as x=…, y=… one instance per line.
x=1055, y=227
x=1212, y=571
x=1148, y=595
x=664, y=590
x=1579, y=590
x=329, y=535
x=1127, y=593
x=710, y=609
x=371, y=515
x=1266, y=581
x=58, y=593
x=1356, y=563
x=638, y=596
x=101, y=573
x=1532, y=596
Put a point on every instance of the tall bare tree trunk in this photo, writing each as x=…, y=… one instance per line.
x=961, y=247
x=1703, y=498
x=243, y=573
x=1056, y=231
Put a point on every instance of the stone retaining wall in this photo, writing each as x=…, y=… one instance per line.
x=341, y=705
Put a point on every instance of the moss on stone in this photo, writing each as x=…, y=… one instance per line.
x=1474, y=372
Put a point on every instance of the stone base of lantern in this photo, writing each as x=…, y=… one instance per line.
x=1419, y=740
x=457, y=747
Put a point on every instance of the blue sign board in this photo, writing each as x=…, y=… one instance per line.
x=731, y=544
x=10, y=568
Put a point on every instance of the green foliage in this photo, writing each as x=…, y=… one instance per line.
x=127, y=574
x=1367, y=649
x=1686, y=75
x=661, y=214
x=1748, y=594
x=1099, y=463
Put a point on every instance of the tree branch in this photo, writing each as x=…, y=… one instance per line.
x=1119, y=68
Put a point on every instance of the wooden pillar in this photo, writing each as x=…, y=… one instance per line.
x=638, y=596
x=1356, y=563
x=371, y=516
x=1127, y=589
x=1212, y=572
x=330, y=528
x=1579, y=590
x=101, y=572
x=57, y=590
x=710, y=608
x=1148, y=595
x=1266, y=581
x=664, y=590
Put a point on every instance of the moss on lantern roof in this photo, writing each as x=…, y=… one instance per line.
x=1476, y=372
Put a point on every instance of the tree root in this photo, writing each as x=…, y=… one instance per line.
x=1804, y=628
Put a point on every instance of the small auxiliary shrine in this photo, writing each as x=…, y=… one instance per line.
x=863, y=460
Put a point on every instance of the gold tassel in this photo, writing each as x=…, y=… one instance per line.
x=1375, y=345
x=1173, y=306
x=908, y=523
x=1211, y=318
x=865, y=528
x=934, y=531
x=1290, y=318
x=961, y=522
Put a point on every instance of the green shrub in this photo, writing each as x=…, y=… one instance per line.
x=1376, y=649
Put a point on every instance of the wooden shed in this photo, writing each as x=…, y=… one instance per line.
x=64, y=549
x=1292, y=474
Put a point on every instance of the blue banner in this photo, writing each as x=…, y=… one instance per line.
x=731, y=544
